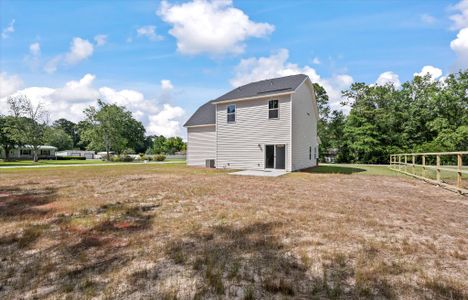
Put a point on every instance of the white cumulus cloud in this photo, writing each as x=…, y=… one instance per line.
x=149, y=31
x=9, y=84
x=213, y=27
x=388, y=77
x=80, y=49
x=9, y=29
x=431, y=70
x=277, y=65
x=78, y=90
x=460, y=46
x=52, y=65
x=34, y=56
x=167, y=121
x=70, y=100
x=166, y=85
x=460, y=19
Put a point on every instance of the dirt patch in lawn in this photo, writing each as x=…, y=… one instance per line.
x=174, y=232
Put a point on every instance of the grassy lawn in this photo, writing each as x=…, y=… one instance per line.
x=353, y=169
x=50, y=162
x=67, y=162
x=166, y=231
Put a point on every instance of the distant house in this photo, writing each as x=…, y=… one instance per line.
x=330, y=155
x=27, y=152
x=268, y=124
x=77, y=153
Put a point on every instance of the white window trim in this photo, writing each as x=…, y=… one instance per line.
x=277, y=118
x=234, y=113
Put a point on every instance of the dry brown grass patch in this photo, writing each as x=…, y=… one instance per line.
x=167, y=232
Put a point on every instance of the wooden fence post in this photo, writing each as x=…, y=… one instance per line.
x=438, y=168
x=399, y=162
x=459, y=173
x=424, y=166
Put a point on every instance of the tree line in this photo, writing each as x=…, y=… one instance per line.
x=423, y=115
x=106, y=127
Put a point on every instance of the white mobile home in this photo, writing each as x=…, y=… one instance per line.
x=26, y=152
x=76, y=153
x=269, y=124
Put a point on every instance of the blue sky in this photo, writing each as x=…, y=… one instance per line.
x=163, y=59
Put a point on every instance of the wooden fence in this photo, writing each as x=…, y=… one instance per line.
x=448, y=175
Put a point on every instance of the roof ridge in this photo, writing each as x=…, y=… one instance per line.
x=271, y=79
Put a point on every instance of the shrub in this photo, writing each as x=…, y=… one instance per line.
x=127, y=158
x=122, y=158
x=160, y=157
x=109, y=157
x=148, y=157
x=70, y=157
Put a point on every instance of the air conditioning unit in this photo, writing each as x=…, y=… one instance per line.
x=210, y=163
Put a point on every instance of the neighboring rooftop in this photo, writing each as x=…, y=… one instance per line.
x=206, y=114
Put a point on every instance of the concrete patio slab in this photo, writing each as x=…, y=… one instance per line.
x=264, y=173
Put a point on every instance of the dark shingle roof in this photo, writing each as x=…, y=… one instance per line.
x=265, y=87
x=206, y=113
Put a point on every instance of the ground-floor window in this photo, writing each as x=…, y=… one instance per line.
x=310, y=152
x=45, y=152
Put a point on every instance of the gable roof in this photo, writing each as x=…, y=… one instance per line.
x=265, y=87
x=206, y=114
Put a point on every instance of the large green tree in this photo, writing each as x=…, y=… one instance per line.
x=58, y=138
x=69, y=128
x=422, y=115
x=9, y=134
x=30, y=122
x=174, y=144
x=112, y=128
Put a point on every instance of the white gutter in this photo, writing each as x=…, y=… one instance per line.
x=202, y=125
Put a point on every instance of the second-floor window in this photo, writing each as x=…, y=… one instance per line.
x=273, y=109
x=231, y=113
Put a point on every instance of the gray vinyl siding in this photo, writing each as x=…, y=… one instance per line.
x=304, y=127
x=201, y=145
x=241, y=145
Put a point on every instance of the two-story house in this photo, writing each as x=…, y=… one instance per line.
x=268, y=124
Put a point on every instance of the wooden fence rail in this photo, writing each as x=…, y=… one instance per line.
x=400, y=163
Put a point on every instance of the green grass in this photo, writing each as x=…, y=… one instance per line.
x=353, y=169
x=50, y=162
x=29, y=163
